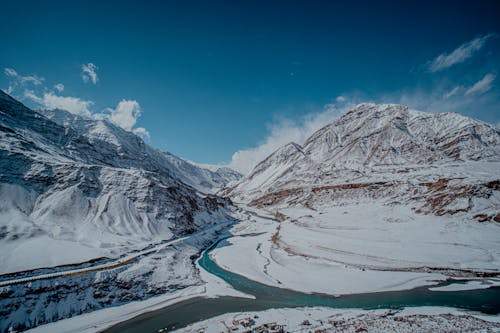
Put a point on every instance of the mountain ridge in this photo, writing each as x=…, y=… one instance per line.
x=375, y=144
x=92, y=184
x=121, y=140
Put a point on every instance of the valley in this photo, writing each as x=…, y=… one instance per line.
x=252, y=284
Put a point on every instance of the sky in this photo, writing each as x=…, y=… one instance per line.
x=228, y=82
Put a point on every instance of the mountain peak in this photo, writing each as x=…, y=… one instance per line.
x=291, y=146
x=383, y=108
x=370, y=139
x=282, y=155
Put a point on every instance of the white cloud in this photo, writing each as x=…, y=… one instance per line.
x=283, y=132
x=125, y=115
x=72, y=104
x=340, y=99
x=32, y=88
x=49, y=101
x=482, y=85
x=89, y=73
x=459, y=55
x=30, y=94
x=10, y=72
x=59, y=87
x=443, y=98
x=21, y=80
x=452, y=92
x=142, y=132
x=36, y=80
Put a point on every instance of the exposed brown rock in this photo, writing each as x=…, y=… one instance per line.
x=440, y=196
x=439, y=185
x=348, y=186
x=274, y=198
x=280, y=216
x=482, y=217
x=495, y=185
x=276, y=236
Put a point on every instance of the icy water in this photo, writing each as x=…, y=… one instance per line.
x=196, y=309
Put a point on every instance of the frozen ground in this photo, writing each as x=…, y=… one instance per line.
x=360, y=248
x=96, y=267
x=469, y=285
x=423, y=319
x=20, y=256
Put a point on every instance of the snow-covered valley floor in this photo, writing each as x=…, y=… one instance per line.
x=336, y=250
x=360, y=248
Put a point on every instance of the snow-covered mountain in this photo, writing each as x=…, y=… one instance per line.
x=204, y=179
x=90, y=188
x=442, y=160
x=130, y=147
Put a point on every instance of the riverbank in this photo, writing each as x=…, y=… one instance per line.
x=318, y=319
x=100, y=320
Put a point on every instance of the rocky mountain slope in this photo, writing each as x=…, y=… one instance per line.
x=441, y=163
x=91, y=189
x=132, y=148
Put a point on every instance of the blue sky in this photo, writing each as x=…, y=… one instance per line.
x=206, y=79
